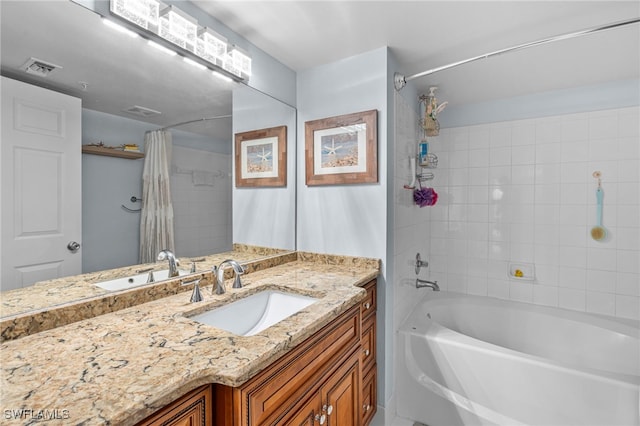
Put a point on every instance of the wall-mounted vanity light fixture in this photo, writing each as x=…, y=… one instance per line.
x=159, y=22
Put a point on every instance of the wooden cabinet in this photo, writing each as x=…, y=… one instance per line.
x=193, y=409
x=329, y=379
x=318, y=383
x=368, y=363
x=279, y=392
x=341, y=394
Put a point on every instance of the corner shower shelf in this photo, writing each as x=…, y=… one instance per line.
x=111, y=152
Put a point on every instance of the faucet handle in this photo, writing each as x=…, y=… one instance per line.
x=196, y=294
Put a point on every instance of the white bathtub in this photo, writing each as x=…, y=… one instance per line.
x=466, y=360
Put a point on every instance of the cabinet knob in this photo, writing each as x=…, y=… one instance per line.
x=327, y=409
x=366, y=407
x=367, y=305
x=321, y=418
x=366, y=352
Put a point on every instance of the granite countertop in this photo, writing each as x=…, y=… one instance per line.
x=120, y=367
x=61, y=301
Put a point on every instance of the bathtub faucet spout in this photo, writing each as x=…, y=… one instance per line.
x=430, y=284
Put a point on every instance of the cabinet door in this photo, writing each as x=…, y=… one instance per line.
x=341, y=394
x=307, y=415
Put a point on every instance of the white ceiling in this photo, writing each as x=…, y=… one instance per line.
x=427, y=34
x=120, y=72
x=304, y=34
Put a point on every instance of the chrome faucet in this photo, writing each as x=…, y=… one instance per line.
x=173, y=263
x=218, y=272
x=430, y=284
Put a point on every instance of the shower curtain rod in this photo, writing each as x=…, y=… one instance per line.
x=194, y=121
x=399, y=80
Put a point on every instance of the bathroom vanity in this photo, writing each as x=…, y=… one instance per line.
x=152, y=363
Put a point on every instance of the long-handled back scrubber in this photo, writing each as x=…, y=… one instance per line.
x=598, y=232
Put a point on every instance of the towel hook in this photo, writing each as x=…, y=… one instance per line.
x=597, y=175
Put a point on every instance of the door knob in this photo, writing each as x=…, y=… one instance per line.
x=73, y=246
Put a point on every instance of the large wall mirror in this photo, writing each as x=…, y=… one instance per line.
x=128, y=88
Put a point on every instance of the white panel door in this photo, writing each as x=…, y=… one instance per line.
x=40, y=166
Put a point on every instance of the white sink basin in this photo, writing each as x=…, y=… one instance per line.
x=252, y=314
x=136, y=280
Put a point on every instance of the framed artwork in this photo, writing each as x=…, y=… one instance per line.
x=261, y=157
x=342, y=149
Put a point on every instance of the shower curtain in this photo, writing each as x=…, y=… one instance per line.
x=156, y=221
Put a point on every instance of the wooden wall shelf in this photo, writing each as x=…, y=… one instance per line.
x=111, y=152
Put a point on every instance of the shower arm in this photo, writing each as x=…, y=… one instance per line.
x=399, y=80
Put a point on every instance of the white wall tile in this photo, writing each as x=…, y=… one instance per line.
x=629, y=123
x=628, y=261
x=628, y=193
x=601, y=281
x=569, y=298
x=601, y=303
x=548, y=153
x=498, y=288
x=628, y=170
x=547, y=173
x=574, y=172
x=628, y=216
x=523, y=174
x=478, y=286
x=479, y=158
x=572, y=277
x=603, y=126
x=525, y=154
x=548, y=130
x=628, y=284
x=547, y=275
x=521, y=291
x=523, y=133
x=500, y=156
x=478, y=176
x=545, y=295
x=628, y=306
x=572, y=152
x=500, y=136
x=479, y=137
x=629, y=148
x=573, y=193
x=524, y=191
x=575, y=128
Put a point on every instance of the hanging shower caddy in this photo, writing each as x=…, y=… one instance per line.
x=424, y=161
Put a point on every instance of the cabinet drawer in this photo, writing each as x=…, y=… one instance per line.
x=283, y=384
x=368, y=305
x=368, y=343
x=369, y=400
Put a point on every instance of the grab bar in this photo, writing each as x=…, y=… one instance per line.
x=430, y=284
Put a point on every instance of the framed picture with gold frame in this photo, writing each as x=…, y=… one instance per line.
x=261, y=157
x=342, y=149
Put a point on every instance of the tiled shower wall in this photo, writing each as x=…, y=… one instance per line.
x=411, y=223
x=523, y=192
x=201, y=201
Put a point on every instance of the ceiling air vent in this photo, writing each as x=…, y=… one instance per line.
x=141, y=111
x=39, y=67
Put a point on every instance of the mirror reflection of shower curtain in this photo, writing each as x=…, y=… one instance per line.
x=156, y=219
